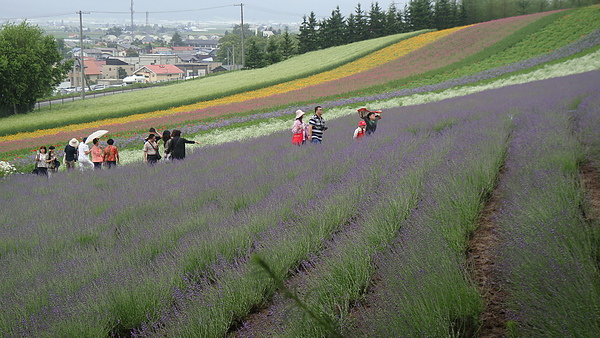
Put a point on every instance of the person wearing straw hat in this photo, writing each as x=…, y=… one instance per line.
x=71, y=154
x=300, y=129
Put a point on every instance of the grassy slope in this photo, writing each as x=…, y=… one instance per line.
x=190, y=92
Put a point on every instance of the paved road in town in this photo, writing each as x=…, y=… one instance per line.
x=88, y=95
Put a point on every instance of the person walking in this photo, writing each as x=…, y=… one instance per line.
x=316, y=126
x=83, y=158
x=360, y=131
x=111, y=154
x=41, y=161
x=70, y=154
x=97, y=154
x=177, y=147
x=150, y=149
x=299, y=129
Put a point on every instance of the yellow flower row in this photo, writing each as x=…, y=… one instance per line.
x=365, y=63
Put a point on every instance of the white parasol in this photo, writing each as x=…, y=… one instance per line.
x=96, y=134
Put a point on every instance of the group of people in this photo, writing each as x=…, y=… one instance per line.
x=368, y=122
x=173, y=145
x=75, y=151
x=313, y=130
x=46, y=160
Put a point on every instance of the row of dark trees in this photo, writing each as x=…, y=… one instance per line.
x=375, y=22
x=417, y=14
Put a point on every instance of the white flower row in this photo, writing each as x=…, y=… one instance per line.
x=583, y=64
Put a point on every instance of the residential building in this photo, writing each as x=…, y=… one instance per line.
x=201, y=43
x=158, y=73
x=191, y=70
x=150, y=59
x=182, y=49
x=92, y=72
x=111, y=69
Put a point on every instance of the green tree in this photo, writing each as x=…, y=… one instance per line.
x=393, y=21
x=176, y=40
x=230, y=49
x=255, y=58
x=288, y=45
x=333, y=30
x=132, y=52
x=357, y=25
x=30, y=67
x=121, y=73
x=114, y=30
x=62, y=47
x=443, y=17
x=376, y=21
x=274, y=55
x=247, y=31
x=308, y=38
x=420, y=13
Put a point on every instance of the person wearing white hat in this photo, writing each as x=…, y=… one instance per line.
x=299, y=130
x=71, y=154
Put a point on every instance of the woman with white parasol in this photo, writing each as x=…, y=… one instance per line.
x=83, y=150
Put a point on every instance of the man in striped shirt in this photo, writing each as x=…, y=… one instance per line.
x=316, y=126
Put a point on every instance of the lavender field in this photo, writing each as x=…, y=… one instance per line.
x=168, y=250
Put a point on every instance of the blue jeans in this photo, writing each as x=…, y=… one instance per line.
x=315, y=141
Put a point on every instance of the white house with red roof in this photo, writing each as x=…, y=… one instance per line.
x=158, y=73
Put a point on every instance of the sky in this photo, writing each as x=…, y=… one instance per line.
x=255, y=11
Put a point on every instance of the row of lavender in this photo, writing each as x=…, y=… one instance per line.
x=549, y=258
x=548, y=264
x=168, y=245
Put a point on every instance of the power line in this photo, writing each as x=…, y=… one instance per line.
x=267, y=10
x=40, y=16
x=129, y=12
x=193, y=10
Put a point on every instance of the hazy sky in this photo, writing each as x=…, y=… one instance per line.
x=112, y=10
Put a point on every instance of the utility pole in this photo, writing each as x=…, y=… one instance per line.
x=81, y=64
x=242, y=29
x=132, y=35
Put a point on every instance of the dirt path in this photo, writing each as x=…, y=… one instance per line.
x=485, y=241
x=590, y=176
x=481, y=263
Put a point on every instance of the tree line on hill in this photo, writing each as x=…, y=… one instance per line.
x=361, y=25
x=417, y=15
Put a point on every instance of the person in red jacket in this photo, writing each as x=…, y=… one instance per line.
x=360, y=131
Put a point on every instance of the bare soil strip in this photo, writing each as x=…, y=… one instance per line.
x=481, y=263
x=481, y=255
x=590, y=176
